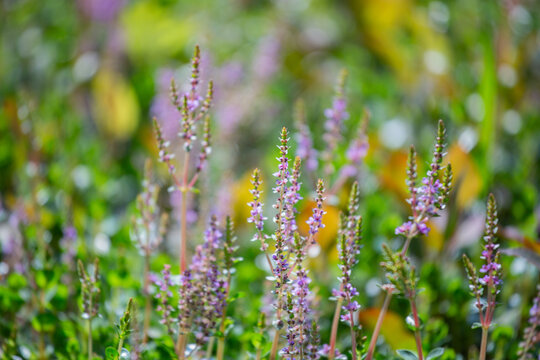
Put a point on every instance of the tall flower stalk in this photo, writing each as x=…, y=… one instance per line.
x=149, y=226
x=350, y=234
x=193, y=109
x=124, y=327
x=299, y=323
x=335, y=117
x=402, y=275
x=425, y=200
x=531, y=335
x=334, y=138
x=305, y=149
x=486, y=284
x=229, y=249
x=286, y=238
x=90, y=298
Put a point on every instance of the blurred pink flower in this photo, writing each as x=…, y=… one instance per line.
x=162, y=107
x=101, y=10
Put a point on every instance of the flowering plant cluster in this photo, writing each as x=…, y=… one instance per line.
x=192, y=109
x=304, y=291
x=201, y=294
x=490, y=283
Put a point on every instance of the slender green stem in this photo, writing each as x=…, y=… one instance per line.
x=42, y=354
x=90, y=329
x=120, y=345
x=221, y=339
x=210, y=348
x=41, y=346
x=221, y=347
x=90, y=338
x=259, y=351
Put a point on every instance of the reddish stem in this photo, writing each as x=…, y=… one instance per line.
x=335, y=323
x=378, y=326
x=417, y=329
x=146, y=290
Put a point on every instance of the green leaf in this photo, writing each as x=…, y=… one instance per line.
x=435, y=353
x=257, y=340
x=44, y=322
x=236, y=296
x=406, y=354
x=111, y=353
x=16, y=281
x=72, y=346
x=476, y=325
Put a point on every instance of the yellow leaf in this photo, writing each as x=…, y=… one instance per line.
x=386, y=23
x=467, y=180
x=393, y=328
x=435, y=238
x=116, y=110
x=393, y=173
x=153, y=33
x=241, y=197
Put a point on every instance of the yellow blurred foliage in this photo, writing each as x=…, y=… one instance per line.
x=153, y=33
x=116, y=110
x=399, y=32
x=467, y=180
x=393, y=173
x=435, y=239
x=241, y=197
x=393, y=328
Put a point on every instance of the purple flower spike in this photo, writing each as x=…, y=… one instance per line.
x=292, y=196
x=304, y=149
x=256, y=214
x=164, y=296
x=315, y=221
x=531, y=335
x=431, y=195
x=283, y=177
x=492, y=268
x=335, y=116
x=348, y=249
x=149, y=224
x=163, y=146
x=489, y=284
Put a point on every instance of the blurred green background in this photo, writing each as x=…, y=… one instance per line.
x=81, y=80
